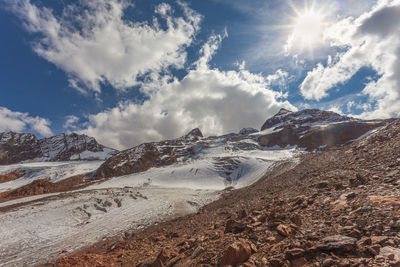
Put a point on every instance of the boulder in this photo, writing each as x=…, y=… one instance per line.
x=236, y=253
x=337, y=244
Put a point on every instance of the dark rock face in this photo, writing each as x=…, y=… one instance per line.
x=248, y=131
x=313, y=129
x=149, y=155
x=63, y=146
x=17, y=147
x=137, y=159
x=316, y=137
x=195, y=132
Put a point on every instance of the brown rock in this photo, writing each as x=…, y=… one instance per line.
x=242, y=214
x=11, y=176
x=283, y=230
x=161, y=259
x=294, y=253
x=390, y=253
x=338, y=244
x=296, y=219
x=299, y=262
x=234, y=227
x=236, y=253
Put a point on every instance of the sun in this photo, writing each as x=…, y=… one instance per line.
x=306, y=29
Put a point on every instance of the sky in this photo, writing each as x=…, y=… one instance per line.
x=134, y=71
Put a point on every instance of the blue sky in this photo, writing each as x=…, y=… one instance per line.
x=131, y=71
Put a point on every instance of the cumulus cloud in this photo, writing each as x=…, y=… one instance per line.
x=216, y=101
x=70, y=122
x=371, y=40
x=94, y=43
x=20, y=121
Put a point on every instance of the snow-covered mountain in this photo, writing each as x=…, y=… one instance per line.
x=17, y=147
x=228, y=154
x=313, y=129
x=306, y=117
x=218, y=160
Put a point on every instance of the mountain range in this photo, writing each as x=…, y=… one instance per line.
x=106, y=192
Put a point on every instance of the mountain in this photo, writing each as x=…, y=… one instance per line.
x=336, y=207
x=18, y=147
x=313, y=129
x=260, y=187
x=308, y=129
x=219, y=160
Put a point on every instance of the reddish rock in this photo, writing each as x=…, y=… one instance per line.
x=161, y=259
x=234, y=227
x=236, y=253
x=283, y=230
x=299, y=262
x=296, y=219
x=11, y=176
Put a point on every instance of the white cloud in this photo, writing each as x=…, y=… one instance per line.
x=19, y=122
x=70, y=122
x=216, y=101
x=336, y=110
x=94, y=44
x=371, y=40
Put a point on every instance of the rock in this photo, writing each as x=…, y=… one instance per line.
x=161, y=259
x=276, y=262
x=283, y=230
x=234, y=227
x=342, y=203
x=390, y=253
x=197, y=252
x=242, y=214
x=299, y=262
x=379, y=240
x=248, y=131
x=361, y=179
x=338, y=244
x=386, y=200
x=329, y=262
x=294, y=253
x=296, y=219
x=322, y=184
x=236, y=253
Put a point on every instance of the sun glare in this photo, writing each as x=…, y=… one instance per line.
x=306, y=28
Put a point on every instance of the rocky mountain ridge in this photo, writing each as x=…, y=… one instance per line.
x=18, y=147
x=313, y=129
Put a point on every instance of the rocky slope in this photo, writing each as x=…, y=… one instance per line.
x=17, y=147
x=338, y=207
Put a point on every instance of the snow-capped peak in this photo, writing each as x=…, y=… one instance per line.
x=22, y=146
x=304, y=118
x=282, y=112
x=195, y=132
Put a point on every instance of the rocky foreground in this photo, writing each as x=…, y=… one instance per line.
x=336, y=208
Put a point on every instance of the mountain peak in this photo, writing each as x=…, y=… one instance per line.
x=282, y=112
x=303, y=117
x=195, y=132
